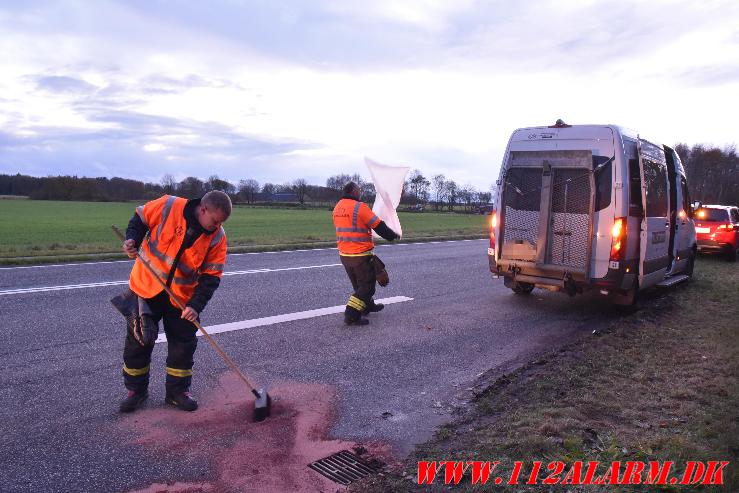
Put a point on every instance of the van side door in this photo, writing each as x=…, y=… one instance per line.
x=655, y=229
x=685, y=230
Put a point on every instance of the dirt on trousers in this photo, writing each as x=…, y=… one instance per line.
x=270, y=456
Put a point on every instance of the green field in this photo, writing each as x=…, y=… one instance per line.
x=31, y=228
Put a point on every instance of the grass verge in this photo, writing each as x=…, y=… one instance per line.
x=33, y=231
x=661, y=384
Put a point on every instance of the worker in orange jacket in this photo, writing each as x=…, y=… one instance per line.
x=184, y=242
x=353, y=220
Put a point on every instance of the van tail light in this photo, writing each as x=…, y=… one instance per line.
x=618, y=241
x=725, y=227
x=493, y=224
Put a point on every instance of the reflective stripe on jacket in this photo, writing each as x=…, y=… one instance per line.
x=353, y=221
x=165, y=218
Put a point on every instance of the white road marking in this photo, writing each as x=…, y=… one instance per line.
x=74, y=264
x=41, y=289
x=287, y=317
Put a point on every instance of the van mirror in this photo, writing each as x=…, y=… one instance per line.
x=695, y=206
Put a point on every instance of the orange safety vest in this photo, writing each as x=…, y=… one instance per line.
x=353, y=220
x=165, y=218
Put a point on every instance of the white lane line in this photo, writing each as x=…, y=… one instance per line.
x=287, y=317
x=74, y=264
x=65, y=265
x=41, y=289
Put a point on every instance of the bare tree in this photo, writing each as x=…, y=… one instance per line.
x=440, y=190
x=452, y=193
x=191, y=188
x=215, y=183
x=299, y=187
x=418, y=187
x=467, y=195
x=169, y=184
x=248, y=190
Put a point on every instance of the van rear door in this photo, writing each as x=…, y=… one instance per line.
x=655, y=227
x=546, y=211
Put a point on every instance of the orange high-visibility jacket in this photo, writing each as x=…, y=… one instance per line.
x=165, y=218
x=353, y=220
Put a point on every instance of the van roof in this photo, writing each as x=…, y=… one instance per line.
x=579, y=130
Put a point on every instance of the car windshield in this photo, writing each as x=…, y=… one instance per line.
x=708, y=214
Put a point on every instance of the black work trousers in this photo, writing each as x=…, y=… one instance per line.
x=181, y=345
x=361, y=273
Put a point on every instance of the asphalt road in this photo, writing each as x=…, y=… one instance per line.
x=395, y=380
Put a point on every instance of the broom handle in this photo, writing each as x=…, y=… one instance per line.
x=212, y=342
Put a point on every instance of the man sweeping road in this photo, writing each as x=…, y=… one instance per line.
x=353, y=220
x=184, y=243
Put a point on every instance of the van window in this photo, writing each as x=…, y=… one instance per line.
x=735, y=215
x=603, y=181
x=655, y=180
x=632, y=157
x=523, y=189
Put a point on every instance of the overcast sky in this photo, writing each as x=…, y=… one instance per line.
x=278, y=90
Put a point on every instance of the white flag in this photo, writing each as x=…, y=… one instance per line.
x=388, y=181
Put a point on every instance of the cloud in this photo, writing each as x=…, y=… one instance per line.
x=63, y=84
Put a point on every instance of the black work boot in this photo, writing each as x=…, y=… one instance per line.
x=356, y=321
x=374, y=308
x=133, y=401
x=181, y=400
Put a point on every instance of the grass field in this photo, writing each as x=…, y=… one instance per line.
x=661, y=384
x=42, y=228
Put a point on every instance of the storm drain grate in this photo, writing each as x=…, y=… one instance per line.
x=343, y=467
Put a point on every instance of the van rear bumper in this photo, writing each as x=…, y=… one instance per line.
x=556, y=276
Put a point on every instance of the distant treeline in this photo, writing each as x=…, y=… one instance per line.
x=713, y=173
x=713, y=177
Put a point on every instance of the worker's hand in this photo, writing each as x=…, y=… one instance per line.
x=129, y=248
x=189, y=314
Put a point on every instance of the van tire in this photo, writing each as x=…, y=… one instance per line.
x=628, y=301
x=522, y=288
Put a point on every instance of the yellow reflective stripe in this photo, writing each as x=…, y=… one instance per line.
x=176, y=372
x=355, y=306
x=363, y=254
x=136, y=372
x=355, y=302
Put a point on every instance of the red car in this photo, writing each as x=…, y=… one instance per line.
x=717, y=230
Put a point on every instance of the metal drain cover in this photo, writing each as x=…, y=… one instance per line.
x=344, y=467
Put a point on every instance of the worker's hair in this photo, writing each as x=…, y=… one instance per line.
x=350, y=187
x=215, y=199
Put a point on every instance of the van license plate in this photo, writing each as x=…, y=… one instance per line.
x=702, y=230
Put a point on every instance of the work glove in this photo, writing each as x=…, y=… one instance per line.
x=139, y=320
x=383, y=279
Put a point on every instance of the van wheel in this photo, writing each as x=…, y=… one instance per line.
x=628, y=301
x=522, y=288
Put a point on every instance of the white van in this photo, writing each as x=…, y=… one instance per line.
x=583, y=207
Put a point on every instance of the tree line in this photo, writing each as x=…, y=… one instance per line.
x=713, y=177
x=713, y=173
x=417, y=190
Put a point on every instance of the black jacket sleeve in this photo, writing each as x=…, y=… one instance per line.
x=204, y=290
x=136, y=230
x=387, y=233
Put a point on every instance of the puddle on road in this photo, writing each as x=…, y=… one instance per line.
x=269, y=456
